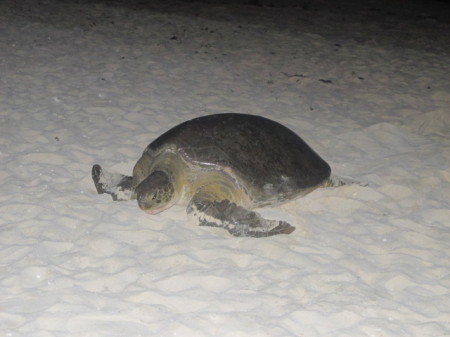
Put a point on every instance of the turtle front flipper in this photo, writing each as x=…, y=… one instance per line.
x=117, y=185
x=236, y=219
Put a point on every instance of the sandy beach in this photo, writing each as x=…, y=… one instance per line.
x=365, y=84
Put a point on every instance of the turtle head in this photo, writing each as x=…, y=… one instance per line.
x=156, y=193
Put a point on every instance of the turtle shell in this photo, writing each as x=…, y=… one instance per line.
x=269, y=160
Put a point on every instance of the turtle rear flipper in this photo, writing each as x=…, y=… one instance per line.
x=337, y=181
x=236, y=219
x=117, y=185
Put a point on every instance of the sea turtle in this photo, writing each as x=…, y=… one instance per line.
x=222, y=166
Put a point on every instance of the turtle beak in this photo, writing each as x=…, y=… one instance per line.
x=150, y=205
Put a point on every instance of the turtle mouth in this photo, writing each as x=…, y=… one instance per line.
x=152, y=208
x=154, y=211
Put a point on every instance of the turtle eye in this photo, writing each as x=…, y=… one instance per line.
x=155, y=197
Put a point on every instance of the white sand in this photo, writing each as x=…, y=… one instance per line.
x=367, y=85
